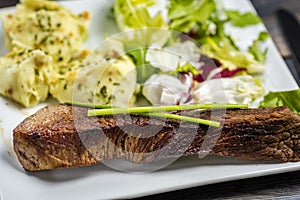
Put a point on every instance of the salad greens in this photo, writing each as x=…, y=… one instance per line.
x=205, y=22
x=286, y=98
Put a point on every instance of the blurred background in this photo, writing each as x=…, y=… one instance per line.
x=267, y=11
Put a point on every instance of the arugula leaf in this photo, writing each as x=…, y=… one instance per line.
x=286, y=98
x=255, y=50
x=242, y=20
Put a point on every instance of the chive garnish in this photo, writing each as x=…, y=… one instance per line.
x=185, y=118
x=157, y=111
x=148, y=109
x=90, y=105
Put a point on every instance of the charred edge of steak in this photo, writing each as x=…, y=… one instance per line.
x=58, y=137
x=258, y=134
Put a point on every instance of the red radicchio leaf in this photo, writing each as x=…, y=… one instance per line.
x=226, y=73
x=210, y=65
x=206, y=70
x=210, y=61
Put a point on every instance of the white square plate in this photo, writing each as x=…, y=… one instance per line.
x=101, y=182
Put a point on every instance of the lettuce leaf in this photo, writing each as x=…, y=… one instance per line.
x=286, y=98
x=242, y=19
x=132, y=14
x=138, y=56
x=186, y=15
x=222, y=48
x=255, y=49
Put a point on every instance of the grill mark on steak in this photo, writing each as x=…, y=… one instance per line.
x=57, y=135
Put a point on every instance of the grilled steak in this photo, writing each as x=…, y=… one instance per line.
x=61, y=136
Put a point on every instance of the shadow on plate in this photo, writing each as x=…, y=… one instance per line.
x=70, y=174
x=211, y=160
x=11, y=159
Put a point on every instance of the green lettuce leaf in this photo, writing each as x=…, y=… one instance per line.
x=132, y=14
x=186, y=15
x=242, y=20
x=286, y=98
x=231, y=58
x=138, y=56
x=255, y=49
x=222, y=47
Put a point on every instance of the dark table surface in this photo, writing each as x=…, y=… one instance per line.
x=279, y=186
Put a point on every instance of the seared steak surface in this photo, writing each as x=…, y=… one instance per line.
x=60, y=136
